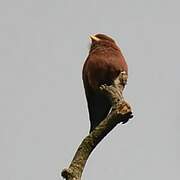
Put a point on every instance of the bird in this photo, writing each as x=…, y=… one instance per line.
x=103, y=64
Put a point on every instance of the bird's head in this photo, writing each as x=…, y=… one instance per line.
x=99, y=40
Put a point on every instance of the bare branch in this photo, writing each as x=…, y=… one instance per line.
x=121, y=112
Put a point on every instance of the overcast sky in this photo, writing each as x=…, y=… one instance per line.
x=43, y=111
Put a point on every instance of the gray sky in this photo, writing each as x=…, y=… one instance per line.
x=43, y=45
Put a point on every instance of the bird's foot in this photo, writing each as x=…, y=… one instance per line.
x=109, y=90
x=105, y=88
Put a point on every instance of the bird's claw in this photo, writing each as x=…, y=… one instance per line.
x=108, y=90
x=103, y=87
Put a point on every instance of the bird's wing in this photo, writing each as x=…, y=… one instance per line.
x=98, y=104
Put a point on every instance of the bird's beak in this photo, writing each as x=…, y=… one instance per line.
x=94, y=38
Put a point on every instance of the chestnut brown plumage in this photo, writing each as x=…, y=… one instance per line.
x=102, y=66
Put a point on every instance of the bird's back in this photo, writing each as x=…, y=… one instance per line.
x=102, y=66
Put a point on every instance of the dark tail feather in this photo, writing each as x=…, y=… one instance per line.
x=99, y=107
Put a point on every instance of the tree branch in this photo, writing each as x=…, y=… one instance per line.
x=121, y=112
